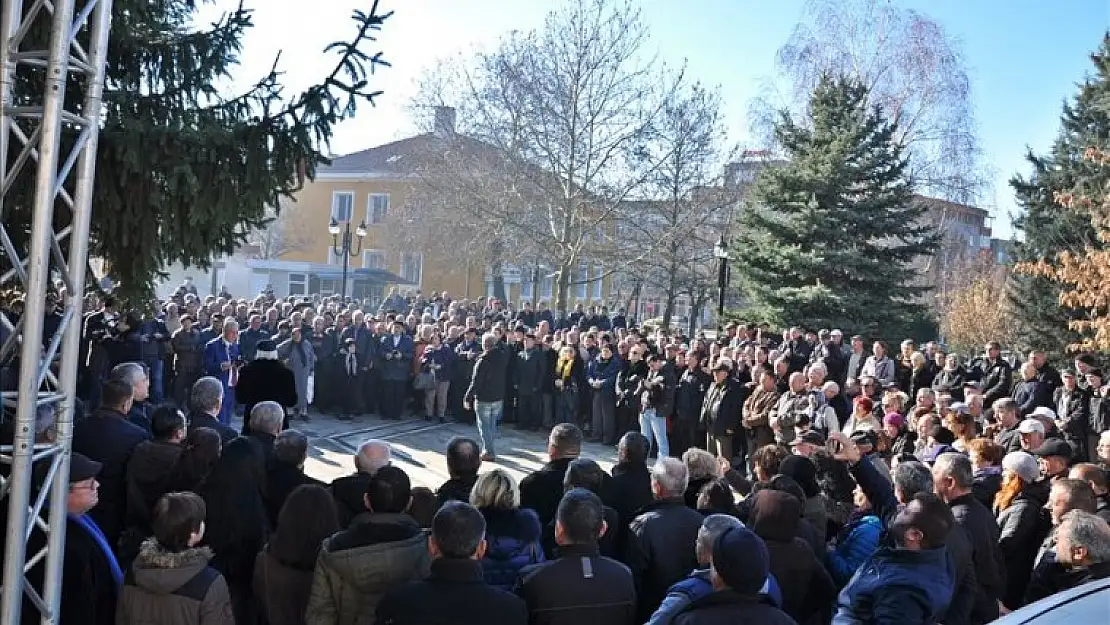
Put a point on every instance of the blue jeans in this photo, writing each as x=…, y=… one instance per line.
x=654, y=426
x=488, y=414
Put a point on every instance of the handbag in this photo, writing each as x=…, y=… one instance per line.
x=424, y=381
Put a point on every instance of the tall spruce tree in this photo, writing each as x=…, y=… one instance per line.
x=1045, y=228
x=828, y=239
x=185, y=170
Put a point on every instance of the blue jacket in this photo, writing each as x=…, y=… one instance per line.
x=854, y=545
x=898, y=587
x=512, y=543
x=696, y=586
x=606, y=372
x=397, y=369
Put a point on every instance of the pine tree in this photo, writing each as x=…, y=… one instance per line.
x=829, y=238
x=183, y=170
x=1045, y=228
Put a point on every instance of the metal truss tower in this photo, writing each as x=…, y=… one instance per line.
x=59, y=146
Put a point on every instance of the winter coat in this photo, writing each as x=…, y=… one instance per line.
x=1074, y=409
x=950, y=381
x=690, y=394
x=398, y=366
x=148, y=475
x=658, y=549
x=580, y=588
x=898, y=587
x=281, y=590
x=347, y=491
x=997, y=380
x=1022, y=528
x=512, y=543
x=855, y=543
x=698, y=585
x=807, y=588
x=107, y=437
x=542, y=490
x=265, y=380
x=722, y=407
x=757, y=413
x=359, y=565
x=1030, y=395
x=487, y=383
x=454, y=594
x=727, y=607
x=986, y=484
x=531, y=371
x=990, y=569
x=627, y=492
x=173, y=589
x=604, y=371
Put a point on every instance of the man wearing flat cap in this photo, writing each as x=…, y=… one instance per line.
x=91, y=575
x=265, y=379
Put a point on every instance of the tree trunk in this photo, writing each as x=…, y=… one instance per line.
x=562, y=289
x=497, y=269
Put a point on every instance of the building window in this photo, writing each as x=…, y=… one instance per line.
x=298, y=284
x=373, y=259
x=342, y=205
x=412, y=267
x=377, y=207
x=330, y=286
x=599, y=271
x=580, y=281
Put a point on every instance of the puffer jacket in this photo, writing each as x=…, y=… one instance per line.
x=1022, y=528
x=173, y=589
x=512, y=543
x=856, y=543
x=358, y=565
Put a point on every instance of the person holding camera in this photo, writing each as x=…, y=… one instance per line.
x=396, y=352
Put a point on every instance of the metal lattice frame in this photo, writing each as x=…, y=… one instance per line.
x=31, y=135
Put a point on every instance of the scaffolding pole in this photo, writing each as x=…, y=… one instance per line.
x=39, y=132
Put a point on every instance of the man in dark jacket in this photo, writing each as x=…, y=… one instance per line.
x=205, y=399
x=348, y=490
x=286, y=472
x=464, y=459
x=542, y=490
x=89, y=568
x=952, y=480
x=530, y=372
x=721, y=411
x=581, y=587
x=486, y=393
x=738, y=570
x=1083, y=548
x=395, y=353
x=456, y=592
x=659, y=549
x=148, y=470
x=997, y=375
x=629, y=489
x=108, y=438
x=383, y=549
x=265, y=379
x=1031, y=393
x=1073, y=413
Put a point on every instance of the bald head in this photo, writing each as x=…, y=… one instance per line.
x=373, y=455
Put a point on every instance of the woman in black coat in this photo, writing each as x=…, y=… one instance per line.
x=236, y=526
x=1022, y=522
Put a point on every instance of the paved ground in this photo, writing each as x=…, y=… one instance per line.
x=418, y=447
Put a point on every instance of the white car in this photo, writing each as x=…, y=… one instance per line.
x=1082, y=605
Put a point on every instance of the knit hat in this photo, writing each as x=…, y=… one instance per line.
x=895, y=419
x=804, y=473
x=740, y=559
x=1023, y=464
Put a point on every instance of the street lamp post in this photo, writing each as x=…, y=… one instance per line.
x=345, y=249
x=720, y=252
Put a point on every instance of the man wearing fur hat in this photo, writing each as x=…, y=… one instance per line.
x=265, y=379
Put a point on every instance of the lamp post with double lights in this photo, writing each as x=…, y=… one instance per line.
x=344, y=247
x=720, y=252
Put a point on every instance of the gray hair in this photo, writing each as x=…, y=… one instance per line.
x=1088, y=530
x=700, y=463
x=671, y=475
x=291, y=447
x=373, y=455
x=910, y=478
x=206, y=395
x=819, y=366
x=713, y=526
x=956, y=466
x=130, y=372
x=489, y=340
x=496, y=489
x=267, y=416
x=229, y=324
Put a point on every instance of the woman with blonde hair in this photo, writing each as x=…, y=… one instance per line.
x=1021, y=522
x=512, y=533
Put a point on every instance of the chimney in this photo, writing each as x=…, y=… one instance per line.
x=444, y=121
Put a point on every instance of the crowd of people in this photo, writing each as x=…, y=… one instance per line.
x=798, y=477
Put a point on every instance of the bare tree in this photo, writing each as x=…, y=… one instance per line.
x=286, y=232
x=691, y=204
x=566, y=115
x=912, y=68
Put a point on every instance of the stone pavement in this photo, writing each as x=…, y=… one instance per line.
x=419, y=446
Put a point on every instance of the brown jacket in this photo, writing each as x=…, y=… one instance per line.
x=173, y=589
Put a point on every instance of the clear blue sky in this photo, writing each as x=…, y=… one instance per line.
x=1024, y=57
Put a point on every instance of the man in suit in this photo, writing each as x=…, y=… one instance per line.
x=221, y=361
